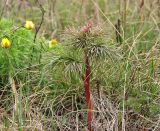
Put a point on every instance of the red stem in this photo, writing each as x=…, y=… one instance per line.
x=87, y=90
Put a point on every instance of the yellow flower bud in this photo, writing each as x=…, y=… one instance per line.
x=52, y=43
x=5, y=43
x=29, y=25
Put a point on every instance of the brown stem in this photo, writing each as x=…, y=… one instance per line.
x=87, y=90
x=42, y=19
x=39, y=27
x=118, y=31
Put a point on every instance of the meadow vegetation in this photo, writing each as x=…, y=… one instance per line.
x=78, y=65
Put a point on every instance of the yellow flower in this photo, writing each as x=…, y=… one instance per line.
x=5, y=43
x=52, y=43
x=29, y=25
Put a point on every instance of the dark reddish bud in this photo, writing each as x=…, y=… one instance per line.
x=85, y=29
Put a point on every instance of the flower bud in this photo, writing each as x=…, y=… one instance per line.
x=5, y=43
